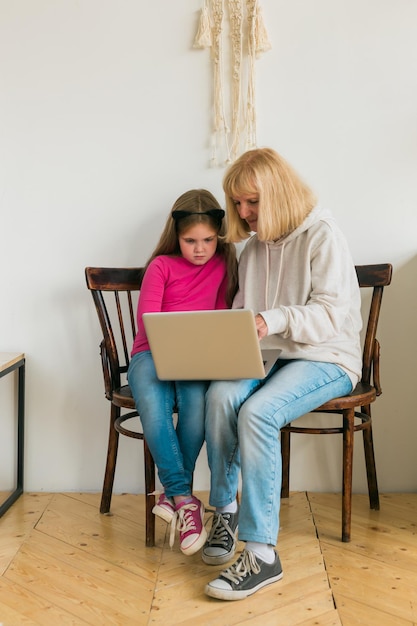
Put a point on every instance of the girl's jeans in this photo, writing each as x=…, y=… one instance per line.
x=174, y=449
x=243, y=422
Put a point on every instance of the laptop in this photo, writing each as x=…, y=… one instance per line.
x=207, y=345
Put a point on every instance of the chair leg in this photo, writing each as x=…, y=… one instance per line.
x=111, y=462
x=285, y=457
x=368, y=445
x=348, y=435
x=149, y=497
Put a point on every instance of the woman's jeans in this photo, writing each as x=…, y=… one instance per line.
x=174, y=449
x=243, y=422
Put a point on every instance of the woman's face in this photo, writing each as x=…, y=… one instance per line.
x=198, y=244
x=247, y=205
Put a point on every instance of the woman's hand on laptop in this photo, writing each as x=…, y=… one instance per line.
x=261, y=326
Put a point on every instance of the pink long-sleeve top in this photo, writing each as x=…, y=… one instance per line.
x=174, y=284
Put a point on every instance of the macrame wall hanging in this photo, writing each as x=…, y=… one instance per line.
x=247, y=39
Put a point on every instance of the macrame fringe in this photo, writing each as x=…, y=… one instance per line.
x=250, y=111
x=236, y=39
x=261, y=36
x=203, y=38
x=210, y=35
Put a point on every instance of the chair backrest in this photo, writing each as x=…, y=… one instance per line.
x=115, y=292
x=376, y=277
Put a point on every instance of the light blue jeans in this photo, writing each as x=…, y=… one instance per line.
x=174, y=448
x=243, y=422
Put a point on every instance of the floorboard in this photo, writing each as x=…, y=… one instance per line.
x=62, y=563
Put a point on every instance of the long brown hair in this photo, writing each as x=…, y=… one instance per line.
x=198, y=203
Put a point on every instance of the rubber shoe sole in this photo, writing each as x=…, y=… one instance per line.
x=164, y=509
x=218, y=560
x=163, y=513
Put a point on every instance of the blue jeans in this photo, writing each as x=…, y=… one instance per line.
x=174, y=448
x=243, y=422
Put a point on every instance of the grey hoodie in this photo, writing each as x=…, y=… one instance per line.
x=306, y=289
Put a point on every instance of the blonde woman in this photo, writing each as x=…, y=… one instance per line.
x=296, y=274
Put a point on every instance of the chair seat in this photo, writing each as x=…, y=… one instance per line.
x=362, y=395
x=122, y=397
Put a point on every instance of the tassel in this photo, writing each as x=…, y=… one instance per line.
x=262, y=43
x=236, y=39
x=203, y=38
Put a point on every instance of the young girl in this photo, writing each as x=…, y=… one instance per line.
x=192, y=268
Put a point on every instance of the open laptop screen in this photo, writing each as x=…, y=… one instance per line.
x=207, y=345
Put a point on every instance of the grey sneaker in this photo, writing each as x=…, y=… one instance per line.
x=246, y=576
x=220, y=546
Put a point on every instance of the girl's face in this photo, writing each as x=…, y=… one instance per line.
x=248, y=206
x=198, y=243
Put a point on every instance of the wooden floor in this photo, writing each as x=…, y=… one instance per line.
x=62, y=563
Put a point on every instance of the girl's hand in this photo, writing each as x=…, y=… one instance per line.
x=261, y=326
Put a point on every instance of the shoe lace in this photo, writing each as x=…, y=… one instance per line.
x=246, y=564
x=183, y=520
x=220, y=530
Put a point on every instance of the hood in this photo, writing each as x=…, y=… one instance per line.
x=317, y=214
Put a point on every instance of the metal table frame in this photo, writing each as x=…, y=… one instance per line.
x=10, y=362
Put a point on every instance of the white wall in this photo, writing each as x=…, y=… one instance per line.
x=104, y=121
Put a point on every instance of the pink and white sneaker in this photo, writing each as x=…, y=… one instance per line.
x=164, y=508
x=190, y=516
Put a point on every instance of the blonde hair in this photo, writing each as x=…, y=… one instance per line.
x=284, y=199
x=197, y=202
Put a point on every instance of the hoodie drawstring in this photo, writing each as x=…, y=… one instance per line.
x=268, y=262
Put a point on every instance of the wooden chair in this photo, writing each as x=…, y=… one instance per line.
x=114, y=292
x=356, y=405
